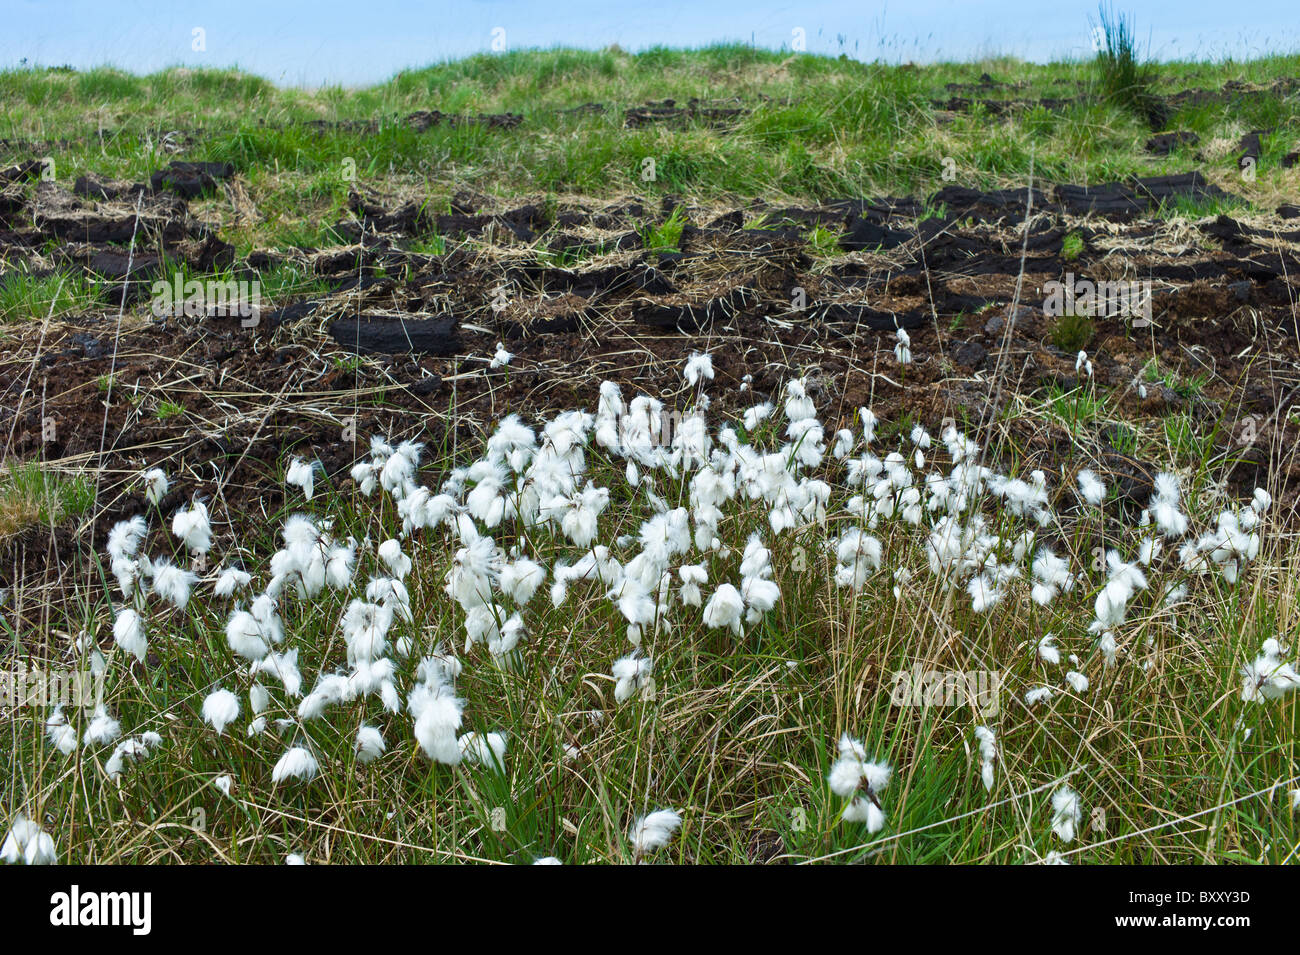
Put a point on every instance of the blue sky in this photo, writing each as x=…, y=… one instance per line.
x=352, y=42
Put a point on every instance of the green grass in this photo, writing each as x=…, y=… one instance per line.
x=738, y=734
x=1125, y=78
x=1187, y=386
x=828, y=128
x=168, y=410
x=1072, y=332
x=31, y=493
x=23, y=296
x=1071, y=246
x=1078, y=408
x=665, y=236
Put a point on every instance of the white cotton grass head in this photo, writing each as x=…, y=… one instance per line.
x=988, y=754
x=369, y=744
x=1091, y=488
x=1065, y=813
x=301, y=474
x=129, y=633
x=102, y=728
x=130, y=751
x=484, y=749
x=61, y=734
x=653, y=831
x=520, y=579
x=1268, y=676
x=246, y=636
x=1038, y=694
x=155, y=485
x=125, y=537
x=220, y=709
x=501, y=358
x=173, y=584
x=699, y=367
x=632, y=674
x=1048, y=651
x=859, y=780
x=230, y=580
x=27, y=843
x=193, y=527
x=296, y=763
x=398, y=564
x=438, y=713
x=725, y=609
x=903, y=347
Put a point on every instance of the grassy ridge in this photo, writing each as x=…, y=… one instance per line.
x=818, y=128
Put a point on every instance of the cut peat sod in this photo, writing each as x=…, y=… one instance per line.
x=761, y=299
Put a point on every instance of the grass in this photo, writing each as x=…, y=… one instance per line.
x=1072, y=332
x=1188, y=386
x=31, y=494
x=23, y=295
x=1125, y=78
x=1072, y=246
x=828, y=128
x=168, y=410
x=665, y=236
x=738, y=732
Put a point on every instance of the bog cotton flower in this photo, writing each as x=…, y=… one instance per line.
x=301, y=474
x=398, y=564
x=128, y=633
x=1091, y=489
x=191, y=525
x=1268, y=676
x=102, y=729
x=437, y=712
x=220, y=708
x=296, y=763
x=631, y=674
x=903, y=348
x=61, y=734
x=653, y=831
x=28, y=844
x=130, y=751
x=1065, y=813
x=1048, y=651
x=698, y=368
x=230, y=580
x=369, y=744
x=155, y=485
x=693, y=576
x=173, y=584
x=484, y=749
x=988, y=754
x=725, y=608
x=859, y=780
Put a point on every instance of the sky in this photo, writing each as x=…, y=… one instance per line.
x=358, y=42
